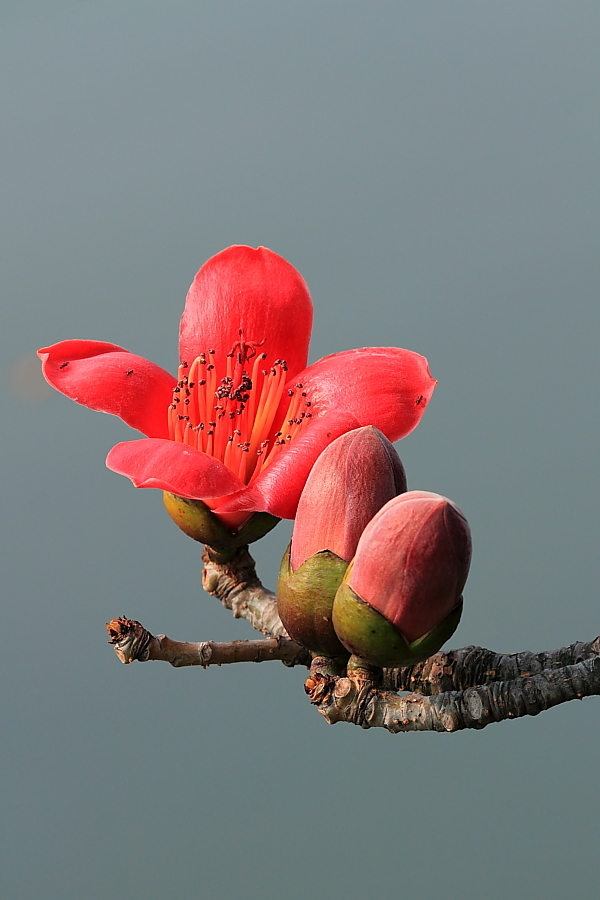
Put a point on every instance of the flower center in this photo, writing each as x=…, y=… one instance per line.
x=227, y=408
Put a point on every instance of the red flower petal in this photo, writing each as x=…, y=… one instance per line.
x=382, y=386
x=108, y=378
x=277, y=489
x=256, y=290
x=173, y=467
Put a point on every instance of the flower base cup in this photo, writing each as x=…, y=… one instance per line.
x=364, y=632
x=199, y=522
x=305, y=601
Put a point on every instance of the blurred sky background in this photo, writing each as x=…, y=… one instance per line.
x=432, y=170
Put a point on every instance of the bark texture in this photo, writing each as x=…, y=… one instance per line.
x=450, y=691
x=239, y=589
x=452, y=670
x=133, y=642
x=360, y=702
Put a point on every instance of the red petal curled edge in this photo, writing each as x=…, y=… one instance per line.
x=173, y=467
x=277, y=489
x=382, y=386
x=253, y=289
x=108, y=378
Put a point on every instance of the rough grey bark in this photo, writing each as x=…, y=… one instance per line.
x=451, y=670
x=450, y=691
x=239, y=589
x=358, y=701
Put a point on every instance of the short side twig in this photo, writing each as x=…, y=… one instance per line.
x=134, y=642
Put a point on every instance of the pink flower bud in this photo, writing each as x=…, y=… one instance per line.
x=351, y=480
x=412, y=561
x=410, y=568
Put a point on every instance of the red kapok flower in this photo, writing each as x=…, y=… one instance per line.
x=242, y=424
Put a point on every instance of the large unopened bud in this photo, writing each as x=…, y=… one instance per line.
x=401, y=598
x=350, y=481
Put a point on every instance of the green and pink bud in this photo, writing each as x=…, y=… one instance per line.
x=401, y=598
x=351, y=480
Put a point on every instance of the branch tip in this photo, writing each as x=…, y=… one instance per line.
x=130, y=639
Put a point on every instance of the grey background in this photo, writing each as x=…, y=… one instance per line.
x=432, y=170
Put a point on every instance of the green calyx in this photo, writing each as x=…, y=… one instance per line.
x=200, y=523
x=367, y=634
x=305, y=600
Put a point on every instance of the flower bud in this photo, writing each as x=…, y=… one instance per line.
x=401, y=596
x=350, y=481
x=200, y=523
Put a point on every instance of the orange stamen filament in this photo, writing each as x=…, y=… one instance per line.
x=226, y=408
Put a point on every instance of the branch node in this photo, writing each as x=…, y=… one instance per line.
x=319, y=687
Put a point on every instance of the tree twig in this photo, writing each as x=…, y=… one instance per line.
x=134, y=642
x=239, y=589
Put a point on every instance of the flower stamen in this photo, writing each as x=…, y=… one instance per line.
x=227, y=409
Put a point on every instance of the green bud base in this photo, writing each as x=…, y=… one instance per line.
x=366, y=633
x=199, y=522
x=305, y=600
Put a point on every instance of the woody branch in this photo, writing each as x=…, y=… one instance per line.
x=450, y=691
